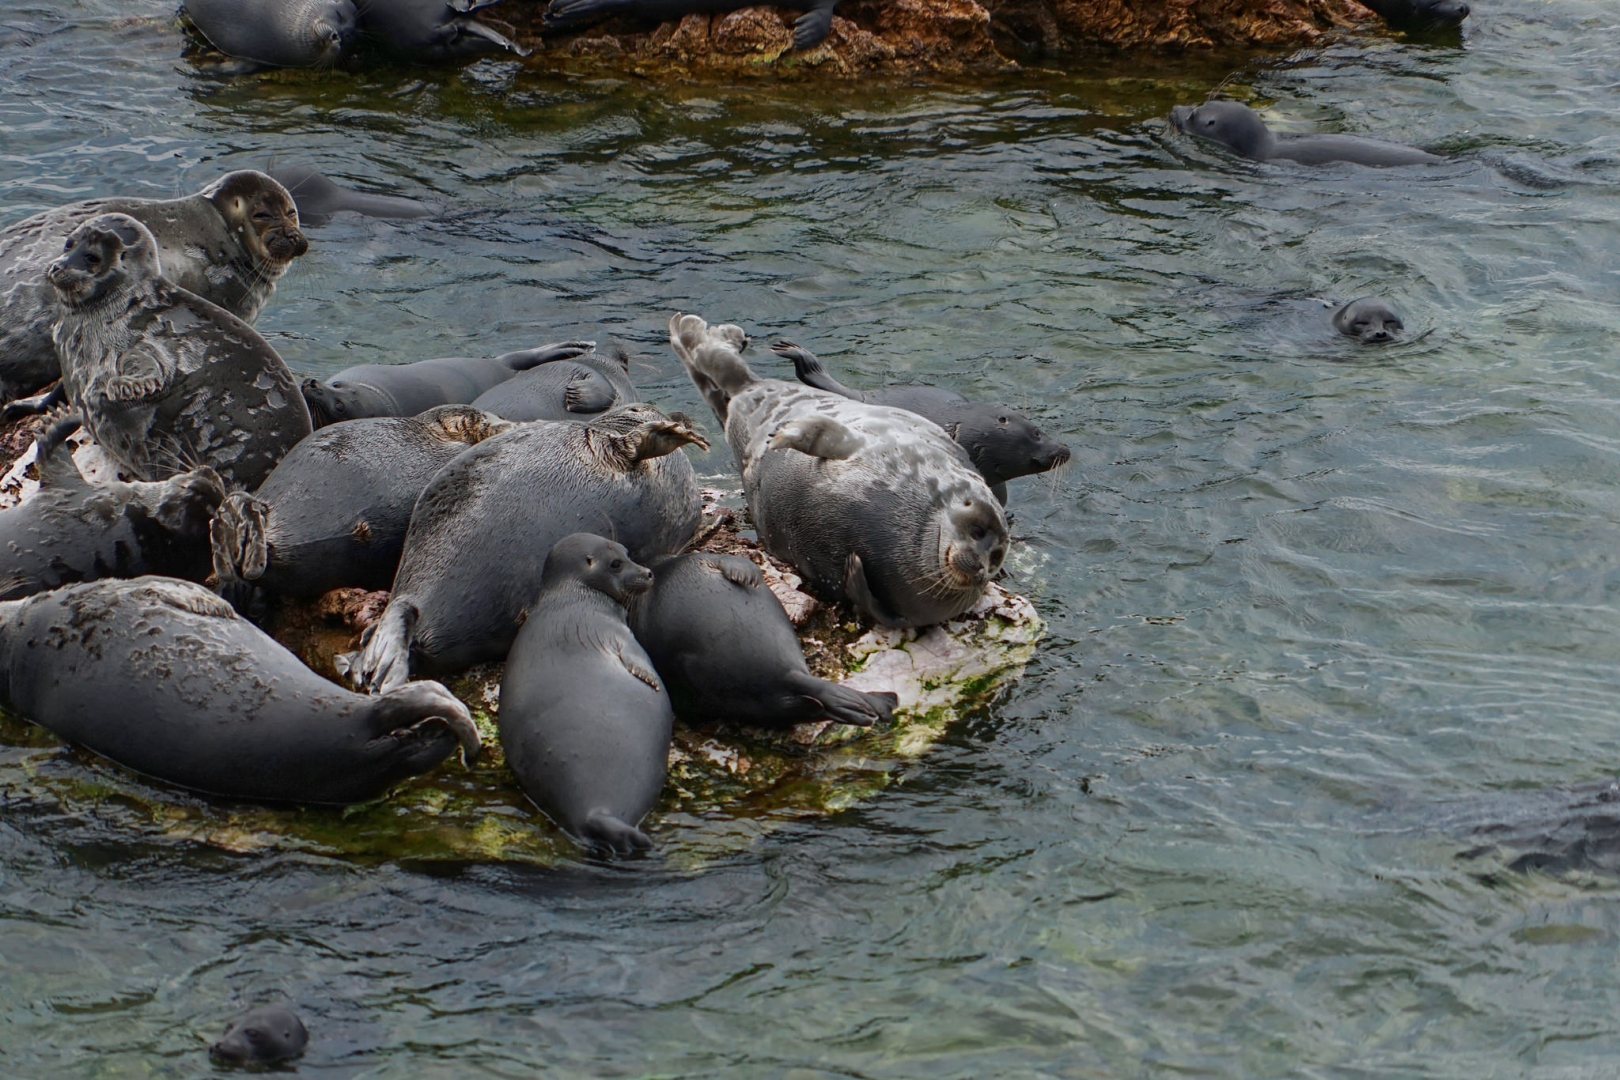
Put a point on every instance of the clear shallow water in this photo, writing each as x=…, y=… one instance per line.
x=1303, y=597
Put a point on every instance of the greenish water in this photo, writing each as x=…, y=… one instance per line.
x=1304, y=599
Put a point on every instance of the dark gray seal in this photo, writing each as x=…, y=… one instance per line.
x=570, y=388
x=1420, y=14
x=335, y=511
x=319, y=198
x=229, y=243
x=584, y=721
x=1001, y=442
x=871, y=504
x=1240, y=129
x=72, y=530
x=809, y=29
x=275, y=33
x=435, y=29
x=1369, y=320
x=469, y=571
x=165, y=380
x=162, y=677
x=726, y=651
x=408, y=389
x=262, y=1036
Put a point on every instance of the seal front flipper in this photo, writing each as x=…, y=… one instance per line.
x=635, y=667
x=859, y=593
x=564, y=13
x=384, y=660
x=737, y=570
x=812, y=28
x=38, y=405
x=818, y=436
x=601, y=830
x=483, y=30
x=588, y=392
x=808, y=367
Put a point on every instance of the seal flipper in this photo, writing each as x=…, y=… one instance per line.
x=403, y=711
x=524, y=359
x=237, y=537
x=842, y=704
x=812, y=28
x=588, y=392
x=653, y=437
x=712, y=357
x=564, y=13
x=818, y=436
x=808, y=367
x=859, y=593
x=737, y=570
x=384, y=660
x=38, y=405
x=602, y=830
x=483, y=30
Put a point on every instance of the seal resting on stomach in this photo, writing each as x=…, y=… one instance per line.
x=275, y=33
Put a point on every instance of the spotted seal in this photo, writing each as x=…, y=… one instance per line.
x=1369, y=320
x=569, y=388
x=1240, y=129
x=262, y=1036
x=275, y=33
x=809, y=29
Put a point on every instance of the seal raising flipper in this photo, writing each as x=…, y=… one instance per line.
x=818, y=436
x=808, y=367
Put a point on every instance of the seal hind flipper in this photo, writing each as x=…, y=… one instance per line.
x=810, y=371
x=483, y=30
x=812, y=28
x=237, y=537
x=524, y=359
x=564, y=13
x=399, y=713
x=602, y=830
x=38, y=405
x=384, y=660
x=712, y=356
x=842, y=704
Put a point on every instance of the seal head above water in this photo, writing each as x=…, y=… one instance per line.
x=262, y=1036
x=1240, y=129
x=1369, y=320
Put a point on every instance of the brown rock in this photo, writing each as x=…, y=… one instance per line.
x=752, y=31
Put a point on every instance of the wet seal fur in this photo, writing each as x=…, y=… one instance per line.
x=275, y=33
x=1369, y=320
x=809, y=29
x=1240, y=129
x=871, y=504
x=228, y=243
x=584, y=720
x=162, y=677
x=165, y=380
x=469, y=573
x=1002, y=443
x=727, y=652
x=319, y=198
x=261, y=1036
x=435, y=29
x=568, y=388
x=408, y=389
x=335, y=511
x=1420, y=14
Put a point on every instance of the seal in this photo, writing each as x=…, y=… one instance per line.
x=727, y=652
x=335, y=511
x=1369, y=320
x=162, y=677
x=229, y=243
x=165, y=380
x=809, y=29
x=319, y=198
x=573, y=388
x=468, y=575
x=71, y=530
x=584, y=720
x=435, y=29
x=275, y=33
x=262, y=1036
x=1420, y=14
x=871, y=504
x=1240, y=129
x=1001, y=442
x=408, y=389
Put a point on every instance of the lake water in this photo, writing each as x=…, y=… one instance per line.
x=1304, y=598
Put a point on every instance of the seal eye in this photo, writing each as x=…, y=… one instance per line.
x=1001, y=420
x=255, y=1036
x=616, y=564
x=978, y=532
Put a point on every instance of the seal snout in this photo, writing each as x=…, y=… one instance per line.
x=285, y=243
x=1180, y=115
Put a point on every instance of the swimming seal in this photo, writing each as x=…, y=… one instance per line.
x=275, y=33
x=435, y=29
x=165, y=380
x=584, y=720
x=809, y=29
x=162, y=677
x=726, y=651
x=1369, y=320
x=468, y=572
x=1001, y=442
x=408, y=389
x=871, y=504
x=1420, y=14
x=228, y=243
x=262, y=1036
x=1240, y=129
x=335, y=511
x=569, y=388
x=319, y=198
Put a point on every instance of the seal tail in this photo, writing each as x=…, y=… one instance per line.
x=712, y=357
x=603, y=833
x=384, y=660
x=410, y=710
x=843, y=704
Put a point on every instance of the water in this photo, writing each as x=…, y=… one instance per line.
x=1303, y=596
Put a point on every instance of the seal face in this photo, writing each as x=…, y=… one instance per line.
x=809, y=29
x=567, y=388
x=897, y=522
x=584, y=719
x=262, y=1036
x=207, y=701
x=1240, y=129
x=276, y=33
x=1369, y=320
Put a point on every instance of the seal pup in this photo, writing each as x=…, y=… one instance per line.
x=1240, y=129
x=163, y=677
x=408, y=389
x=229, y=244
x=871, y=504
x=437, y=29
x=262, y=1036
x=572, y=388
x=1001, y=442
x=727, y=652
x=165, y=380
x=468, y=572
x=809, y=29
x=1420, y=14
x=319, y=198
x=275, y=33
x=584, y=720
x=1369, y=320
x=335, y=511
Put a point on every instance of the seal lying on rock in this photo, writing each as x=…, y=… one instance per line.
x=584, y=721
x=809, y=29
x=1240, y=129
x=573, y=388
x=335, y=511
x=436, y=29
x=162, y=677
x=469, y=572
x=165, y=380
x=1369, y=320
x=275, y=33
x=1420, y=14
x=408, y=389
x=727, y=652
x=228, y=243
x=319, y=198
x=1001, y=442
x=262, y=1036
x=871, y=504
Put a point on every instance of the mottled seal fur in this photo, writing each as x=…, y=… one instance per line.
x=435, y=29
x=165, y=380
x=408, y=389
x=276, y=33
x=469, y=570
x=584, y=720
x=335, y=511
x=228, y=243
x=1001, y=442
x=1240, y=129
x=726, y=651
x=1369, y=320
x=262, y=1036
x=318, y=198
x=567, y=388
x=162, y=677
x=871, y=504
x=809, y=29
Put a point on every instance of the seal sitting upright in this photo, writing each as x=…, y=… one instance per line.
x=871, y=504
x=1240, y=129
x=584, y=720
